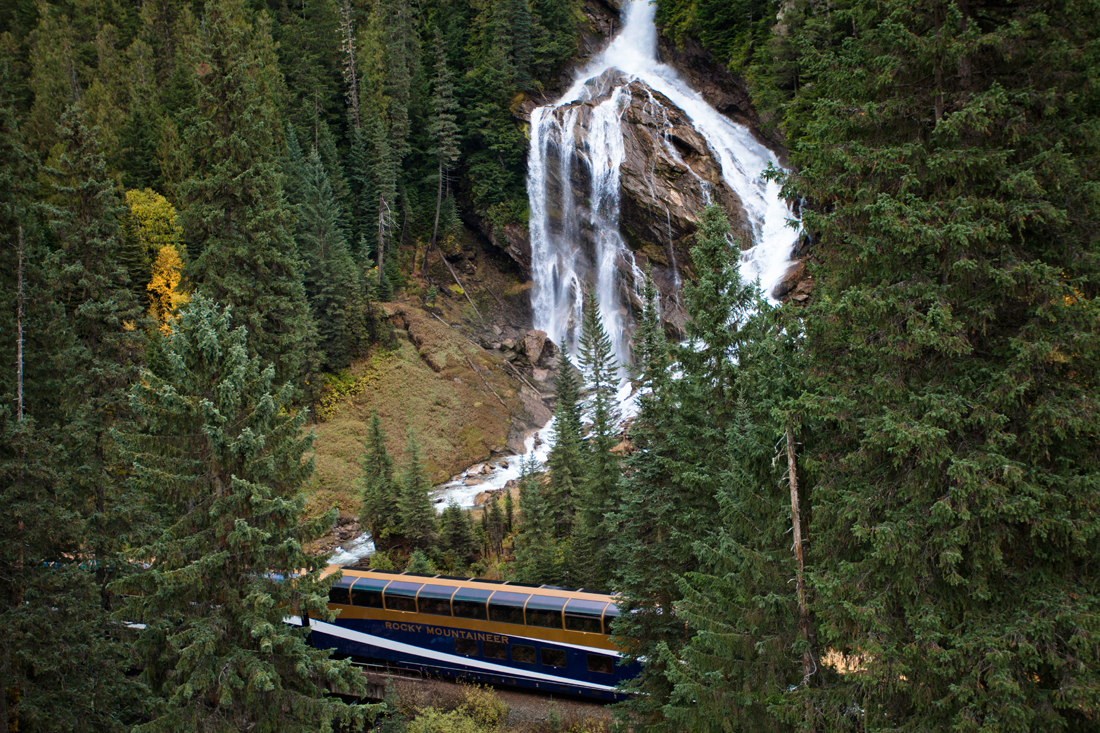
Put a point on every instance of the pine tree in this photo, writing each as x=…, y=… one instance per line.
x=331, y=277
x=103, y=319
x=379, y=513
x=599, y=495
x=538, y=557
x=418, y=524
x=241, y=252
x=443, y=130
x=220, y=461
x=952, y=148
x=456, y=537
x=566, y=460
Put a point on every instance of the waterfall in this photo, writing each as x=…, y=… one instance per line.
x=576, y=245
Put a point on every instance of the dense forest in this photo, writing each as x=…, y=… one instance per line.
x=877, y=510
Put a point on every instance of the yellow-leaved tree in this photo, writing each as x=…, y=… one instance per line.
x=153, y=220
x=164, y=289
x=154, y=223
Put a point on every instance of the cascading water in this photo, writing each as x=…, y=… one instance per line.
x=576, y=245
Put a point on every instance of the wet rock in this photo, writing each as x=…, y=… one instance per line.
x=791, y=279
x=720, y=88
x=803, y=291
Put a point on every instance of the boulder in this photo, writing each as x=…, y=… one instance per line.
x=791, y=279
x=532, y=345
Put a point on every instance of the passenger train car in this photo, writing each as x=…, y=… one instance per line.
x=539, y=637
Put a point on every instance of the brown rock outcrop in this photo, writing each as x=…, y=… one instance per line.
x=667, y=176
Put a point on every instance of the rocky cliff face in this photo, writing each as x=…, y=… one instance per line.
x=668, y=172
x=668, y=175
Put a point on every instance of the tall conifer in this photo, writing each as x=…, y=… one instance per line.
x=418, y=522
x=953, y=148
x=379, y=513
x=235, y=221
x=221, y=461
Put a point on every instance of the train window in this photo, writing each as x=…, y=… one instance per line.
x=338, y=593
x=545, y=611
x=466, y=647
x=470, y=603
x=435, y=599
x=523, y=654
x=610, y=614
x=507, y=607
x=367, y=592
x=584, y=615
x=553, y=657
x=600, y=663
x=401, y=596
x=494, y=650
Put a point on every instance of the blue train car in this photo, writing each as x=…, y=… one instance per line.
x=543, y=638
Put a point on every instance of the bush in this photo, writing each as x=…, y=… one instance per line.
x=435, y=721
x=484, y=707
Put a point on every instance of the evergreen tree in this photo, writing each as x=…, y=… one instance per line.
x=592, y=532
x=59, y=665
x=953, y=150
x=241, y=252
x=444, y=128
x=753, y=646
x=331, y=277
x=103, y=317
x=673, y=480
x=456, y=536
x=379, y=513
x=419, y=563
x=566, y=460
x=220, y=460
x=418, y=524
x=538, y=558
x=495, y=527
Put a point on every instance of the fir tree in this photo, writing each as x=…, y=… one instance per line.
x=456, y=536
x=443, y=130
x=379, y=513
x=599, y=495
x=419, y=563
x=331, y=277
x=953, y=149
x=236, y=222
x=669, y=497
x=538, y=557
x=103, y=317
x=220, y=460
x=566, y=459
x=59, y=665
x=418, y=524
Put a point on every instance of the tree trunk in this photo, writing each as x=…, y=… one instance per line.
x=19, y=332
x=808, y=664
x=435, y=227
x=381, y=235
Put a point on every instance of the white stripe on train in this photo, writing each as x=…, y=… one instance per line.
x=500, y=669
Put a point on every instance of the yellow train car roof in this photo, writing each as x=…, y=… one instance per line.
x=473, y=583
